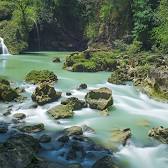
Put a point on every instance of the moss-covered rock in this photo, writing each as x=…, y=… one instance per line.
x=41, y=76
x=118, y=77
x=99, y=98
x=44, y=94
x=91, y=61
x=6, y=92
x=75, y=103
x=61, y=111
x=147, y=71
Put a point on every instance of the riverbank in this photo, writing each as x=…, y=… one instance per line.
x=146, y=70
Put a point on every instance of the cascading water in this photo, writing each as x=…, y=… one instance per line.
x=3, y=47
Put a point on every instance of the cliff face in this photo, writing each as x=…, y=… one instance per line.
x=67, y=25
x=111, y=20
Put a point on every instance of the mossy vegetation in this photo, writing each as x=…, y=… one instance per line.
x=91, y=61
x=6, y=92
x=36, y=77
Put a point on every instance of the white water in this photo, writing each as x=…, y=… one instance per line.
x=3, y=46
x=147, y=157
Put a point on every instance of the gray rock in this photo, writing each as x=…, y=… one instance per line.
x=32, y=128
x=75, y=103
x=61, y=111
x=44, y=138
x=75, y=130
x=19, y=116
x=44, y=94
x=99, y=98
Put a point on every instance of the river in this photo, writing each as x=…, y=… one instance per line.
x=132, y=109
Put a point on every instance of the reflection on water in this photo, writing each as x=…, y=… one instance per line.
x=3, y=62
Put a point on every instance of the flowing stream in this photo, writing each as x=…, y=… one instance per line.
x=131, y=109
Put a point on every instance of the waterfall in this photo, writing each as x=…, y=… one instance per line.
x=38, y=33
x=3, y=47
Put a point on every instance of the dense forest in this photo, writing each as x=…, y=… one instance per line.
x=79, y=24
x=83, y=83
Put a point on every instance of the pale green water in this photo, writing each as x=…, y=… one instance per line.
x=131, y=108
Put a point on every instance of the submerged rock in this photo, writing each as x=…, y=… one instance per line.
x=36, y=77
x=44, y=94
x=75, y=165
x=105, y=113
x=32, y=128
x=3, y=127
x=121, y=136
x=88, y=129
x=99, y=98
x=105, y=162
x=75, y=103
x=160, y=133
x=61, y=111
x=44, y=138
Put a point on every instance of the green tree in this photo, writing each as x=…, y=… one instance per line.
x=142, y=21
x=160, y=32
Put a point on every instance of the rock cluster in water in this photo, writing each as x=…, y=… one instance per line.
x=147, y=71
x=160, y=134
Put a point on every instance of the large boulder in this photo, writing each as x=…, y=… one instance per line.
x=159, y=133
x=75, y=103
x=6, y=92
x=61, y=111
x=36, y=77
x=44, y=94
x=99, y=98
x=105, y=162
x=18, y=151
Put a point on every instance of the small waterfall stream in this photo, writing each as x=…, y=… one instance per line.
x=3, y=47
